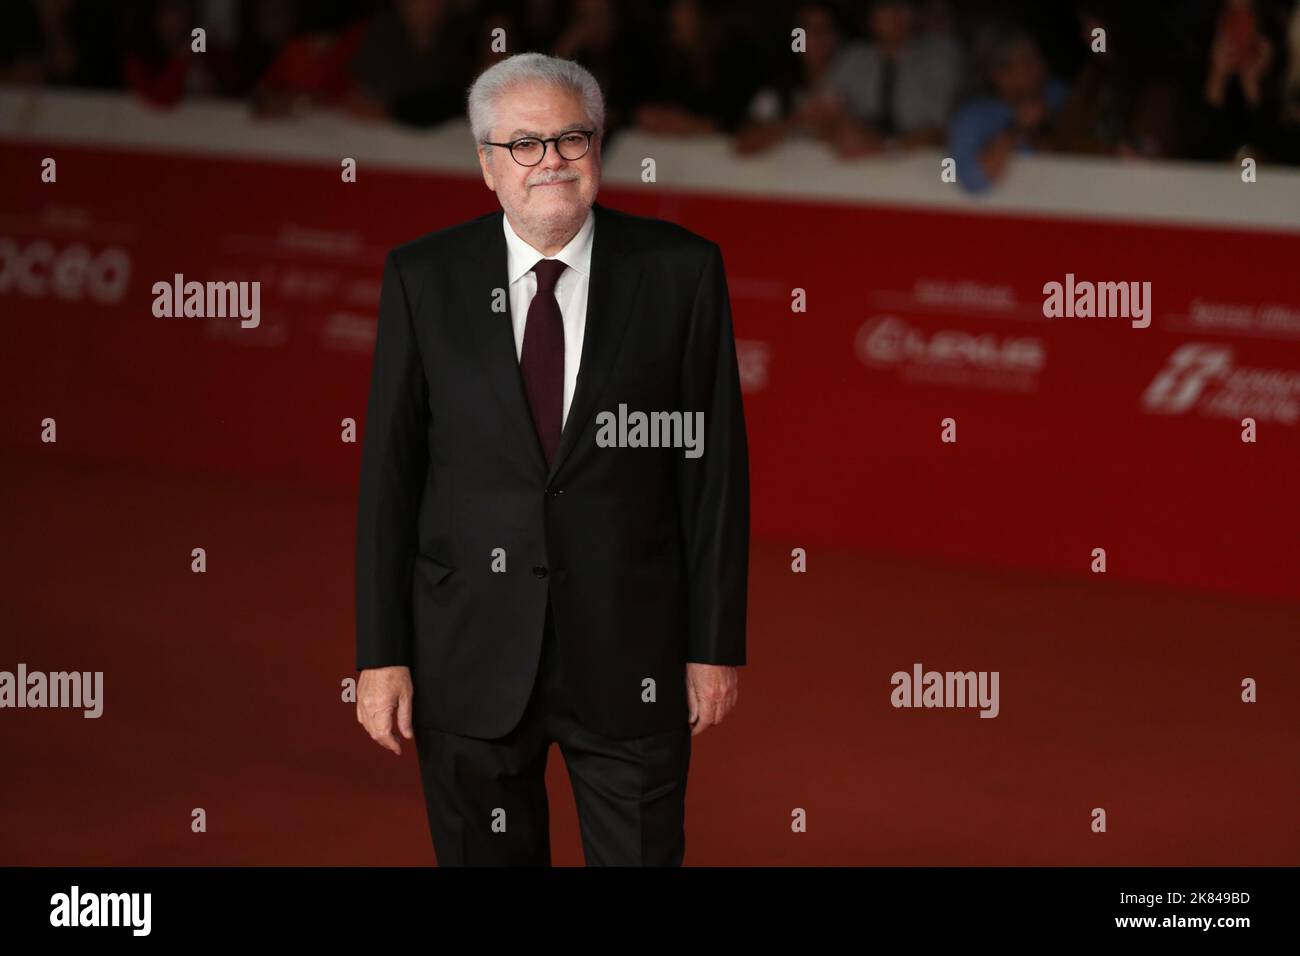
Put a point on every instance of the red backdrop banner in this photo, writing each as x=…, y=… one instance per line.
x=862, y=332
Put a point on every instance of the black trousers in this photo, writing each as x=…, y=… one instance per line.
x=486, y=799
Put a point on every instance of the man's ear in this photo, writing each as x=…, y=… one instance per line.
x=485, y=165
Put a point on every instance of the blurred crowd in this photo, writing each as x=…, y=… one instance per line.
x=985, y=80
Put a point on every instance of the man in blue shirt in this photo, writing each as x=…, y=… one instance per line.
x=984, y=133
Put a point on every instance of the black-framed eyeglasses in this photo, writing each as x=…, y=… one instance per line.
x=530, y=150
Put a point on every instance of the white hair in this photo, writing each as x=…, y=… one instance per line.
x=524, y=68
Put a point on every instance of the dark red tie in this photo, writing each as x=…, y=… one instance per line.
x=541, y=360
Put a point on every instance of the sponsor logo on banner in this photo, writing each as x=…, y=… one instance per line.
x=1267, y=320
x=348, y=332
x=965, y=294
x=1201, y=376
x=945, y=298
x=41, y=270
x=1011, y=363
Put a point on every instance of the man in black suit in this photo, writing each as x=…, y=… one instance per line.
x=534, y=563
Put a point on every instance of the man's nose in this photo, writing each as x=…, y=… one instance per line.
x=553, y=160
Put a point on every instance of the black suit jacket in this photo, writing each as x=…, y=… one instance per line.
x=644, y=552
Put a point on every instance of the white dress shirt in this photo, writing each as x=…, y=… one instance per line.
x=570, y=293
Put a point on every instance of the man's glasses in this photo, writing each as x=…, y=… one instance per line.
x=529, y=151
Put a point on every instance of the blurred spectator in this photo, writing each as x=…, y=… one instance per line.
x=22, y=45
x=414, y=63
x=507, y=20
x=703, y=77
x=1124, y=99
x=263, y=28
x=314, y=68
x=897, y=89
x=1199, y=79
x=598, y=38
x=60, y=43
x=162, y=66
x=985, y=133
x=935, y=18
x=796, y=102
x=1240, y=53
x=542, y=22
x=1242, y=103
x=1291, y=82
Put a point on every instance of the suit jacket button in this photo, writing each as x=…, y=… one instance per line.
x=539, y=571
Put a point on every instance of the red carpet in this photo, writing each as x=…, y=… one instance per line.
x=222, y=691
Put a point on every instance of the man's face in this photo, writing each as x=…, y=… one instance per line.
x=557, y=192
x=1021, y=76
x=822, y=36
x=891, y=22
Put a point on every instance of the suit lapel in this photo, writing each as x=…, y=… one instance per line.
x=611, y=296
x=484, y=269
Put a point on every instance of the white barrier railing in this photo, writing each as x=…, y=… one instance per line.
x=1078, y=187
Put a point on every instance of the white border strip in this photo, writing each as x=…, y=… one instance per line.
x=1163, y=192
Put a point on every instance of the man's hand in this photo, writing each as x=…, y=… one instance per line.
x=997, y=154
x=757, y=137
x=711, y=690
x=1252, y=71
x=380, y=692
x=821, y=114
x=852, y=139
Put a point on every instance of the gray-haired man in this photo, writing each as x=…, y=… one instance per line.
x=519, y=583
